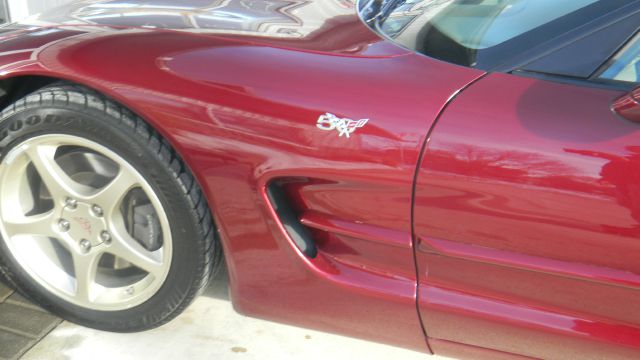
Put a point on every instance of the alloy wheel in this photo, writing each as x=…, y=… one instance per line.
x=83, y=223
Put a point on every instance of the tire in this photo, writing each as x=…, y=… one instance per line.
x=138, y=222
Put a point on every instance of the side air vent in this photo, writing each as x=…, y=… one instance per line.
x=289, y=218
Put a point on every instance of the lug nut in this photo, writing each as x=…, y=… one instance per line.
x=85, y=246
x=64, y=225
x=71, y=203
x=97, y=210
x=105, y=237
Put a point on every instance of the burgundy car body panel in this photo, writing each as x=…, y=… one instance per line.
x=628, y=106
x=311, y=25
x=526, y=204
x=527, y=217
x=242, y=109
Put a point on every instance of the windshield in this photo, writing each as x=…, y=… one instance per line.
x=481, y=33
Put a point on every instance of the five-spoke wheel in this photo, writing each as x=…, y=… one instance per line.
x=83, y=222
x=100, y=219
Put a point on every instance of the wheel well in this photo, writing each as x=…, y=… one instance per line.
x=91, y=115
x=12, y=89
x=15, y=88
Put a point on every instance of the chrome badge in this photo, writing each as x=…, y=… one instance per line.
x=346, y=127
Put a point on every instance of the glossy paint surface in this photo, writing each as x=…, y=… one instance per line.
x=526, y=203
x=322, y=26
x=628, y=106
x=527, y=218
x=241, y=109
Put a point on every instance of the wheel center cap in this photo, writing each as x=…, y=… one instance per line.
x=84, y=223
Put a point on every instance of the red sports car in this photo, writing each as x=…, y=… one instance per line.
x=459, y=177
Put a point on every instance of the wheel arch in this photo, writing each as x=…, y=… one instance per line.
x=80, y=109
x=14, y=86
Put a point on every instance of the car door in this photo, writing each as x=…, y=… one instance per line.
x=527, y=216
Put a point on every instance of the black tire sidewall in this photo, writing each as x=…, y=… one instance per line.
x=187, y=248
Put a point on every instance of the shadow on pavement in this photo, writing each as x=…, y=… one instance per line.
x=219, y=286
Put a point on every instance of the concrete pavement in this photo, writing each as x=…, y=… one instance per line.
x=210, y=329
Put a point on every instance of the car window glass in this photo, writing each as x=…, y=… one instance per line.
x=483, y=33
x=626, y=65
x=487, y=23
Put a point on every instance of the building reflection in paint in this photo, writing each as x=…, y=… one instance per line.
x=272, y=18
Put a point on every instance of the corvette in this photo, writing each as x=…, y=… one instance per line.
x=454, y=177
